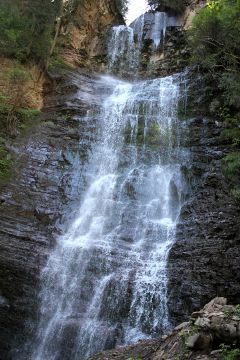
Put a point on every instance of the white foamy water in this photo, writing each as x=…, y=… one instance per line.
x=106, y=281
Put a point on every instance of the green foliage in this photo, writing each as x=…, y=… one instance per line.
x=231, y=169
x=5, y=162
x=232, y=311
x=231, y=136
x=27, y=28
x=229, y=353
x=57, y=63
x=177, y=6
x=236, y=193
x=231, y=164
x=29, y=113
x=237, y=310
x=215, y=39
x=122, y=6
x=17, y=75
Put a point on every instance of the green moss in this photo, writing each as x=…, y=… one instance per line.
x=58, y=64
x=231, y=136
x=231, y=164
x=29, y=113
x=153, y=134
x=231, y=169
x=5, y=163
x=229, y=352
x=49, y=124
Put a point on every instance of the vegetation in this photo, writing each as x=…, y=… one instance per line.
x=177, y=6
x=27, y=28
x=235, y=311
x=215, y=40
x=230, y=353
x=5, y=160
x=122, y=6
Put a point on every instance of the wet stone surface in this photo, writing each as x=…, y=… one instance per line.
x=49, y=175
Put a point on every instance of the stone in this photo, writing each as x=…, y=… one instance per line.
x=216, y=301
x=181, y=326
x=202, y=322
x=196, y=314
x=199, y=341
x=205, y=239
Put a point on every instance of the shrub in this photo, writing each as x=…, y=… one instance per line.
x=229, y=353
x=177, y=6
x=215, y=40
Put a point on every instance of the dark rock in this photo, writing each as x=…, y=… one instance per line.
x=203, y=262
x=199, y=341
x=33, y=204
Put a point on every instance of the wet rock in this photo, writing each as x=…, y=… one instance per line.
x=199, y=341
x=181, y=326
x=203, y=261
x=34, y=201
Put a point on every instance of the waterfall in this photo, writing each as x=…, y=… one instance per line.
x=105, y=283
x=125, y=47
x=161, y=21
x=159, y=28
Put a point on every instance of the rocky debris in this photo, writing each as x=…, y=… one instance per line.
x=198, y=339
x=216, y=322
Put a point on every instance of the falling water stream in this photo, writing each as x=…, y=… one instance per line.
x=106, y=282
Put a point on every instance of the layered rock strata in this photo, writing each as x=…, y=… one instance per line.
x=48, y=175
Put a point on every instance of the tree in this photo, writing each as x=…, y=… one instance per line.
x=122, y=6
x=215, y=40
x=176, y=6
x=28, y=28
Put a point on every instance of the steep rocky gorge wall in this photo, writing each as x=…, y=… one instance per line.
x=173, y=52
x=43, y=182
x=83, y=40
x=204, y=260
x=43, y=179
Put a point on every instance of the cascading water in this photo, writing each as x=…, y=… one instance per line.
x=106, y=281
x=161, y=22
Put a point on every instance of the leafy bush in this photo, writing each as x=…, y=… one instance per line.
x=177, y=6
x=215, y=40
x=231, y=164
x=27, y=28
x=229, y=353
x=5, y=162
x=231, y=169
x=29, y=113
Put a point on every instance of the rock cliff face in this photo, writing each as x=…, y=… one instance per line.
x=204, y=262
x=32, y=204
x=171, y=52
x=83, y=39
